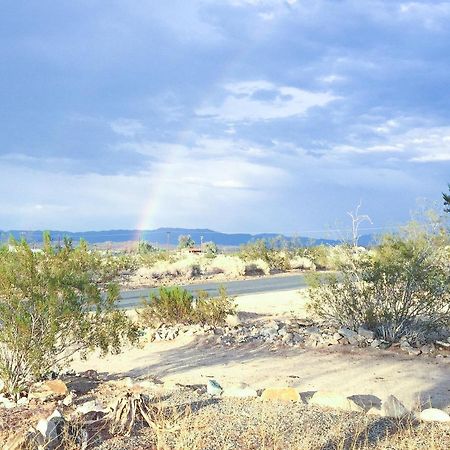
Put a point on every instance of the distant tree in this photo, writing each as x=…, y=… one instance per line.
x=446, y=198
x=185, y=241
x=145, y=247
x=210, y=249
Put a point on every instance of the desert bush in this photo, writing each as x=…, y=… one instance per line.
x=210, y=249
x=213, y=310
x=258, y=267
x=400, y=288
x=185, y=241
x=52, y=304
x=175, y=305
x=302, y=262
x=188, y=266
x=270, y=252
x=231, y=266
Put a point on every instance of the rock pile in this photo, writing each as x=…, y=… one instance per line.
x=291, y=333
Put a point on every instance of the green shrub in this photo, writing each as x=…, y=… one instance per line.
x=54, y=303
x=213, y=310
x=210, y=249
x=175, y=305
x=185, y=241
x=400, y=288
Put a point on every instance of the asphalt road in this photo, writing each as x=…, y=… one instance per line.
x=131, y=299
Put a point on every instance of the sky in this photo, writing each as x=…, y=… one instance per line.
x=235, y=115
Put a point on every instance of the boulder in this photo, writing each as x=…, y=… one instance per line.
x=334, y=400
x=232, y=320
x=282, y=393
x=242, y=390
x=48, y=389
x=350, y=335
x=213, y=388
x=6, y=403
x=365, y=333
x=393, y=407
x=443, y=344
x=434, y=415
x=90, y=407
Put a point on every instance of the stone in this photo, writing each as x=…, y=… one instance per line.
x=334, y=400
x=365, y=333
x=213, y=388
x=6, y=403
x=375, y=343
x=51, y=429
x=350, y=335
x=288, y=338
x=48, y=389
x=23, y=401
x=442, y=344
x=90, y=407
x=374, y=411
x=282, y=393
x=68, y=400
x=282, y=331
x=393, y=407
x=232, y=320
x=241, y=390
x=434, y=415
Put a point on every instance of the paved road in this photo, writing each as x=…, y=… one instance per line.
x=131, y=299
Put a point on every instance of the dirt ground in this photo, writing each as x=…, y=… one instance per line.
x=351, y=371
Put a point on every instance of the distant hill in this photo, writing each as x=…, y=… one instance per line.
x=161, y=236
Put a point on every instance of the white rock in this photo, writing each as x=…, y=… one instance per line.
x=393, y=407
x=434, y=415
x=213, y=387
x=91, y=406
x=365, y=333
x=334, y=400
x=232, y=320
x=241, y=390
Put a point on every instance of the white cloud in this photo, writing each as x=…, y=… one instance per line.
x=127, y=127
x=262, y=100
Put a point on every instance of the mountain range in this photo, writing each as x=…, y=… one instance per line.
x=166, y=236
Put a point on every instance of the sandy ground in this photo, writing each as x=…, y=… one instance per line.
x=367, y=372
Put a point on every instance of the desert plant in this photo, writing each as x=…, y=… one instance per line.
x=210, y=249
x=185, y=241
x=401, y=288
x=446, y=198
x=213, y=310
x=53, y=303
x=178, y=306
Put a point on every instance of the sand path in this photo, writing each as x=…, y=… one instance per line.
x=347, y=370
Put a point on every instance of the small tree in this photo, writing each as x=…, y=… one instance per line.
x=401, y=288
x=210, y=249
x=185, y=241
x=52, y=305
x=446, y=198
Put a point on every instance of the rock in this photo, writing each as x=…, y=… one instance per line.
x=434, y=415
x=442, y=344
x=48, y=389
x=375, y=343
x=288, y=338
x=213, y=388
x=283, y=393
x=51, y=429
x=91, y=373
x=68, y=400
x=126, y=383
x=384, y=345
x=241, y=390
x=365, y=333
x=90, y=407
x=6, y=403
x=23, y=401
x=350, y=335
x=232, y=320
x=374, y=411
x=334, y=400
x=393, y=407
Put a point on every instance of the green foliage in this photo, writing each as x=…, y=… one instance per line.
x=145, y=248
x=210, y=249
x=446, y=198
x=175, y=305
x=185, y=241
x=400, y=288
x=52, y=305
x=213, y=310
x=267, y=251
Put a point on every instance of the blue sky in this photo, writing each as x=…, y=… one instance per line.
x=237, y=115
